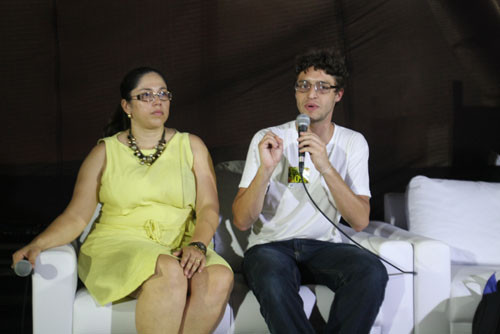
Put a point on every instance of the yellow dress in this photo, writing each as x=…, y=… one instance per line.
x=146, y=211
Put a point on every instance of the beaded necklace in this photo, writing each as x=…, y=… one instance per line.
x=146, y=159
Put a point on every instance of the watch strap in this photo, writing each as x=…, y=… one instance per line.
x=200, y=245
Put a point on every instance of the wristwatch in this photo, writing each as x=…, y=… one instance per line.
x=200, y=245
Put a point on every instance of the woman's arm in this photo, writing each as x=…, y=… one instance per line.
x=207, y=202
x=207, y=207
x=70, y=224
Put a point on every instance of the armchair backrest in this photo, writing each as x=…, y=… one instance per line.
x=395, y=209
x=87, y=229
x=229, y=242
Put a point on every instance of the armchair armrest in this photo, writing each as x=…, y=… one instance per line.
x=54, y=286
x=398, y=252
x=432, y=282
x=396, y=313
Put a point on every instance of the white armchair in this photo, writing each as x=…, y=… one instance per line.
x=60, y=307
x=454, y=227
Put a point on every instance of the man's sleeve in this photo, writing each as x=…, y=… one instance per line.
x=357, y=177
x=252, y=162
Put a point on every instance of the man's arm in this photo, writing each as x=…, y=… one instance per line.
x=355, y=209
x=248, y=202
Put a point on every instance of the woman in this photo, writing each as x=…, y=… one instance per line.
x=159, y=211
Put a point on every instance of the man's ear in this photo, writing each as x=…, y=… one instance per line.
x=339, y=94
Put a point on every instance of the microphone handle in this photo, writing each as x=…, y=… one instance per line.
x=302, y=128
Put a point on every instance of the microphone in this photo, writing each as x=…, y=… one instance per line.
x=23, y=268
x=303, y=122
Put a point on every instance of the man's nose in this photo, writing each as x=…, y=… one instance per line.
x=312, y=91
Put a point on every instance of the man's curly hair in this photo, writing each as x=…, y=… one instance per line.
x=328, y=60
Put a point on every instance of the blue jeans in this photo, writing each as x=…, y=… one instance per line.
x=275, y=271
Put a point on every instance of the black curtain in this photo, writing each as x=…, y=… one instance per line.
x=229, y=65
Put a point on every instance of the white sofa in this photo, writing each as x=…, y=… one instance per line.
x=61, y=306
x=454, y=227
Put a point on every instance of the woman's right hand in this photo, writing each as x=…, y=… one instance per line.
x=29, y=252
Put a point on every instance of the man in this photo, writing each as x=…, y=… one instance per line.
x=291, y=242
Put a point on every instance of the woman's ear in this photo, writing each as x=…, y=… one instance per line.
x=126, y=107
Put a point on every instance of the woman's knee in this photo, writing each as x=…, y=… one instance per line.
x=169, y=273
x=221, y=279
x=213, y=285
x=225, y=276
x=167, y=264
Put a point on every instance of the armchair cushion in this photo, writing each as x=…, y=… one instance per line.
x=115, y=318
x=90, y=317
x=463, y=214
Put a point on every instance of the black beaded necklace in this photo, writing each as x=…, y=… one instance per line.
x=146, y=159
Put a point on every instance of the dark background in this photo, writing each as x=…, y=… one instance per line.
x=424, y=89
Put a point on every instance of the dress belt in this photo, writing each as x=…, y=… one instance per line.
x=154, y=231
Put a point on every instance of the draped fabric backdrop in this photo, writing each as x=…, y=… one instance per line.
x=229, y=65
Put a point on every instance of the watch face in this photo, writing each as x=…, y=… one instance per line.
x=200, y=245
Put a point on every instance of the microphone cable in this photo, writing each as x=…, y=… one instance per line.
x=25, y=300
x=24, y=269
x=348, y=237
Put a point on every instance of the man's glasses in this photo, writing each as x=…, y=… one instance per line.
x=163, y=95
x=321, y=87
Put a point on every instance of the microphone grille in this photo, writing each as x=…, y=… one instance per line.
x=303, y=120
x=23, y=268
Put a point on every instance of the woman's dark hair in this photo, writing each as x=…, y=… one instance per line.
x=119, y=121
x=328, y=60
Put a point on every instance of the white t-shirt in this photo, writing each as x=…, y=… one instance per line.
x=287, y=212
